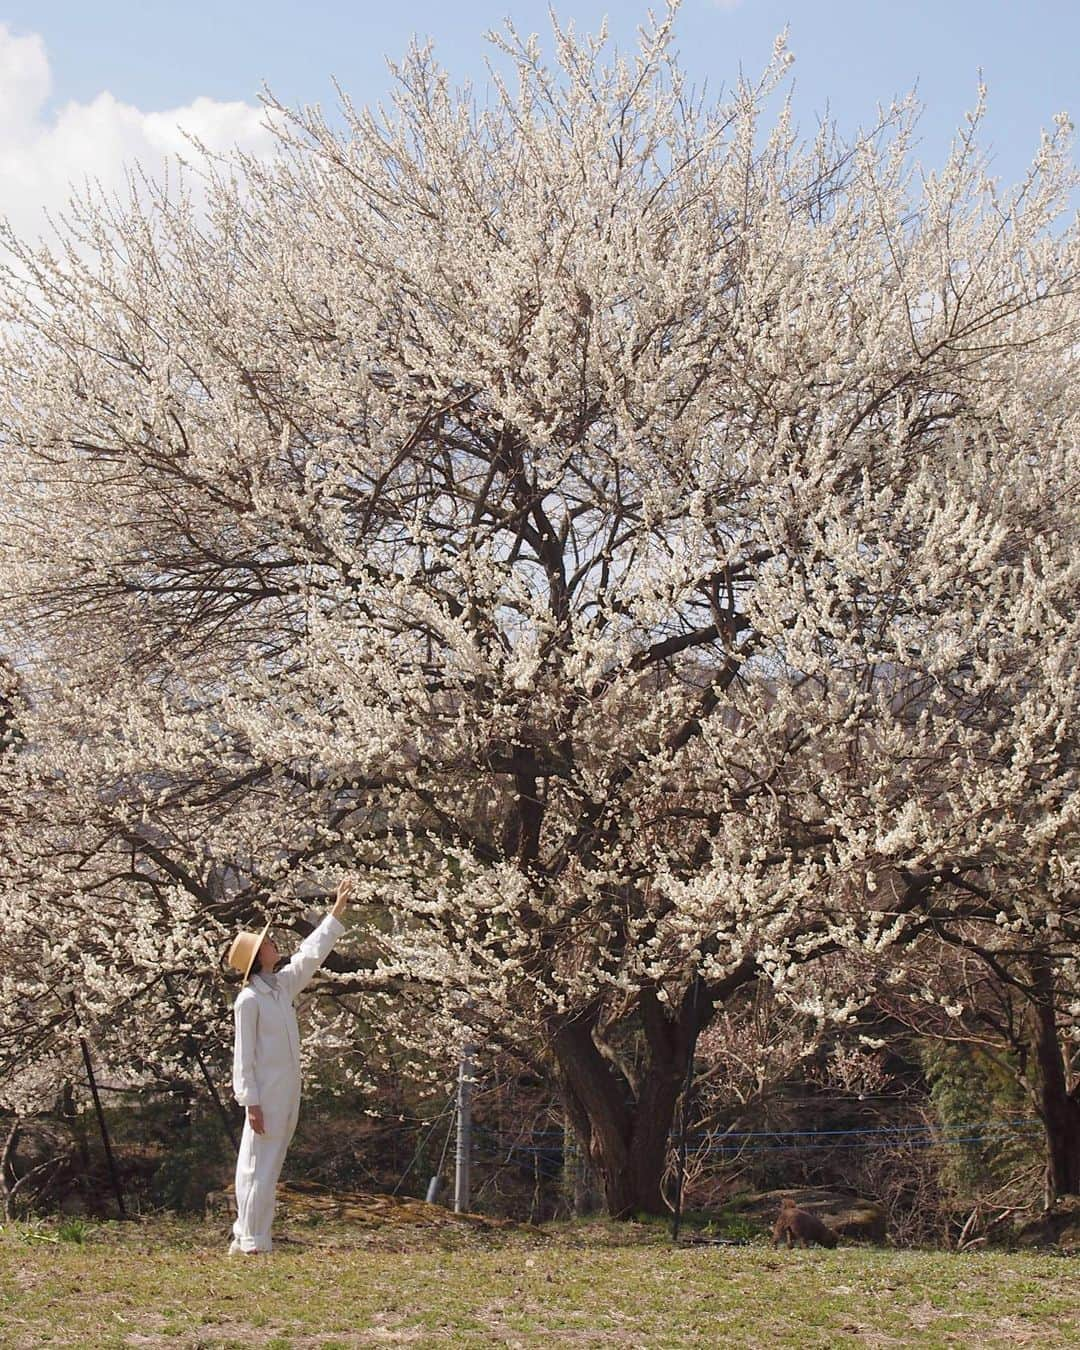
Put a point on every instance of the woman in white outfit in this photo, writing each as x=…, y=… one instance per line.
x=266, y=1065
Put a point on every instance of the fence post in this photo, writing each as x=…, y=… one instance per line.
x=684, y=1111
x=579, y=1179
x=463, y=1155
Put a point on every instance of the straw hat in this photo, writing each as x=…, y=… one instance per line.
x=244, y=949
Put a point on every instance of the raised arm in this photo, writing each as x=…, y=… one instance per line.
x=315, y=948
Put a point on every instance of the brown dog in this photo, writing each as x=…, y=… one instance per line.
x=799, y=1225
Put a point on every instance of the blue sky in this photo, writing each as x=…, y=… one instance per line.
x=154, y=57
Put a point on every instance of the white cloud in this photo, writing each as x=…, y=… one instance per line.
x=42, y=156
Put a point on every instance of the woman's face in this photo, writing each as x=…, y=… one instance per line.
x=268, y=955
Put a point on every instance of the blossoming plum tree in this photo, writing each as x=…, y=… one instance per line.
x=642, y=546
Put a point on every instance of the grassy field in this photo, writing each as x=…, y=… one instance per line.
x=167, y=1282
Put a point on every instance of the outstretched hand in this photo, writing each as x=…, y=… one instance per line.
x=344, y=891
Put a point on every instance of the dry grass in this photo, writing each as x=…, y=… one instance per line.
x=166, y=1282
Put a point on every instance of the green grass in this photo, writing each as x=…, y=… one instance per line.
x=166, y=1282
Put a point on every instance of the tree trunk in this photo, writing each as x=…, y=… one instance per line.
x=627, y=1131
x=1059, y=1108
x=600, y=1110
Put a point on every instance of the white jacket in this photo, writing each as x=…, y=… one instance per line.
x=266, y=1053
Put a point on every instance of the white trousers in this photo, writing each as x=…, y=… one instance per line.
x=258, y=1166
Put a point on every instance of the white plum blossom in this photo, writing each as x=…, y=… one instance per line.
x=641, y=547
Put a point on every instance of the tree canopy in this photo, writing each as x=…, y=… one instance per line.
x=641, y=544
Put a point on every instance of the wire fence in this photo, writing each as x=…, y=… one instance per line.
x=878, y=1136
x=524, y=1160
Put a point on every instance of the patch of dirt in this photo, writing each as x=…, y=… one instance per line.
x=309, y=1201
x=1058, y=1227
